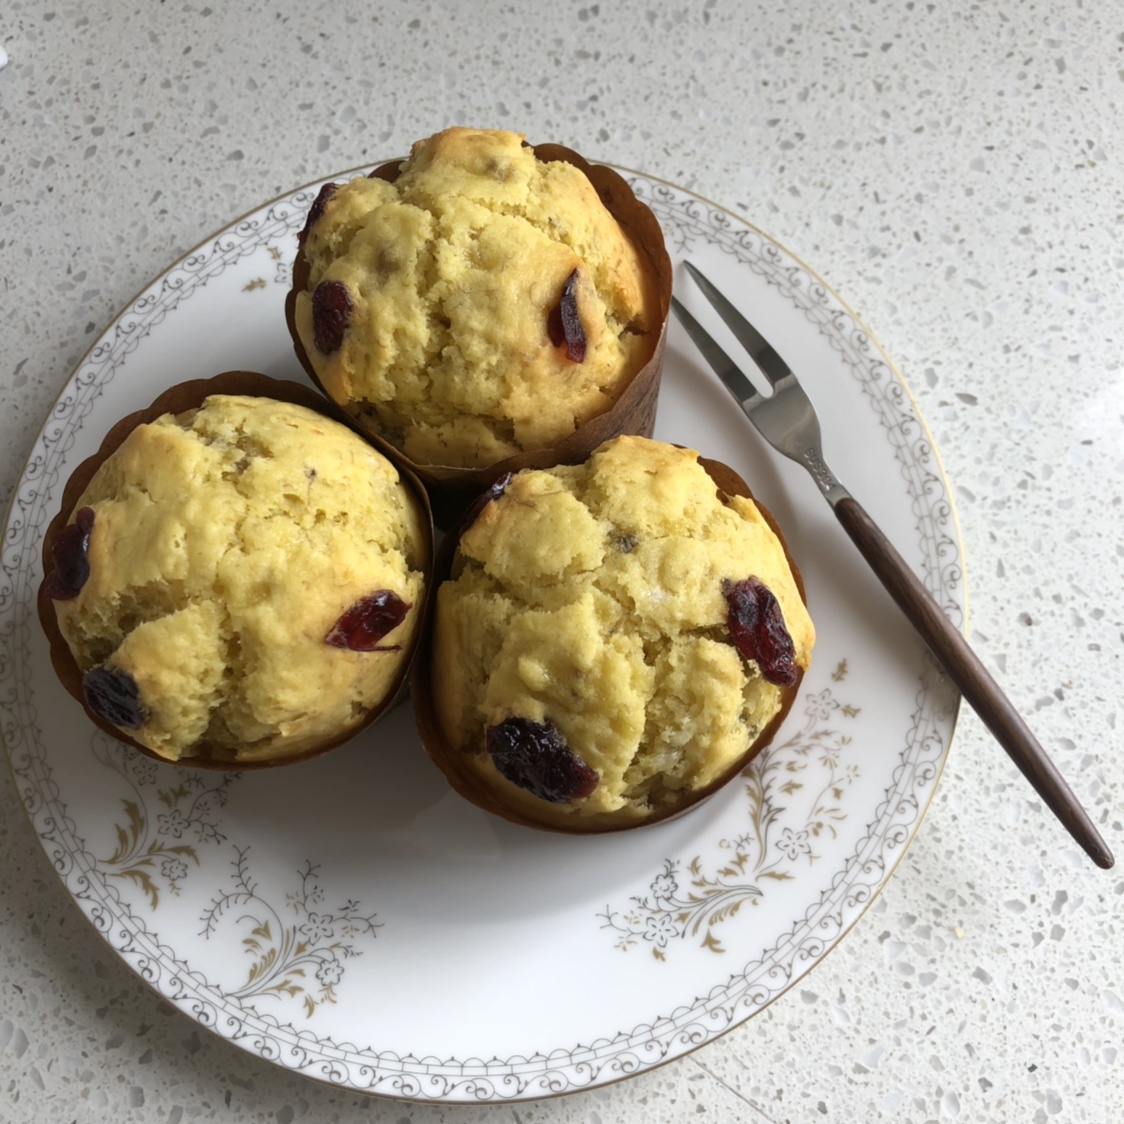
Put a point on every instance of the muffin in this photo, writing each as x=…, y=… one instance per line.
x=614, y=640
x=482, y=301
x=237, y=581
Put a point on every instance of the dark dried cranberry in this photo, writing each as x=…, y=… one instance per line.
x=563, y=324
x=331, y=310
x=114, y=696
x=69, y=554
x=367, y=622
x=485, y=498
x=534, y=756
x=316, y=210
x=757, y=626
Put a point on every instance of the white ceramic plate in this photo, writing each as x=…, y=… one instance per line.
x=352, y=919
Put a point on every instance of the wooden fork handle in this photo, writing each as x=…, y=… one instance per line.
x=966, y=670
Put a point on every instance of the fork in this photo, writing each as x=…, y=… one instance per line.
x=787, y=420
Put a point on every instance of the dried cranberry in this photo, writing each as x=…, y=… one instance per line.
x=331, y=310
x=485, y=498
x=367, y=621
x=563, y=324
x=316, y=210
x=69, y=554
x=114, y=696
x=757, y=626
x=534, y=756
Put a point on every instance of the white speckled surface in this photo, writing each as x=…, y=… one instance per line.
x=954, y=171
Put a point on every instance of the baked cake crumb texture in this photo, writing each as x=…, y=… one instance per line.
x=449, y=281
x=592, y=598
x=226, y=544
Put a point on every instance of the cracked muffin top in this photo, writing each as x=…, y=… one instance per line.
x=240, y=581
x=484, y=303
x=614, y=637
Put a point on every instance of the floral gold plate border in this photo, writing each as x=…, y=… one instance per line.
x=350, y=918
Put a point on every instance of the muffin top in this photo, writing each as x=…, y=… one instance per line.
x=613, y=635
x=483, y=304
x=241, y=581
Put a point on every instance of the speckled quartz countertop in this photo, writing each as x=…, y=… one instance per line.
x=954, y=172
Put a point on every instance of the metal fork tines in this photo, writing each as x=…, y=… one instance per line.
x=787, y=420
x=786, y=417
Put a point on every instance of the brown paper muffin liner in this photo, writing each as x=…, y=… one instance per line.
x=451, y=487
x=455, y=762
x=177, y=399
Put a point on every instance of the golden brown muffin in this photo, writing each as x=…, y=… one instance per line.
x=240, y=582
x=615, y=640
x=483, y=304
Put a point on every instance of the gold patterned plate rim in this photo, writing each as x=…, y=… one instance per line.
x=352, y=919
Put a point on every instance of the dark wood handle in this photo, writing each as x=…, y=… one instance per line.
x=976, y=685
